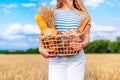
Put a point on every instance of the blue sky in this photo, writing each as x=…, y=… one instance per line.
x=18, y=28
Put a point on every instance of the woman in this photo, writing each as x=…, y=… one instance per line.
x=67, y=16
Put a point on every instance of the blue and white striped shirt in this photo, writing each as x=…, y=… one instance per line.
x=65, y=20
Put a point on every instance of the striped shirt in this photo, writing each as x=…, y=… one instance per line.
x=65, y=20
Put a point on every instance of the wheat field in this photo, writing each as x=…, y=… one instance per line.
x=35, y=67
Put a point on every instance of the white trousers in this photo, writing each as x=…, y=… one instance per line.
x=65, y=68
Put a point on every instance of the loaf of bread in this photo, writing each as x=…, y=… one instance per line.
x=84, y=24
x=45, y=30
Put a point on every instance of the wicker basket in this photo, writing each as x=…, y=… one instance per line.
x=61, y=44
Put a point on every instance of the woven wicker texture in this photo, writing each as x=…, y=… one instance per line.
x=61, y=44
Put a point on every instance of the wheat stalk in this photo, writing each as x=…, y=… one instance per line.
x=48, y=15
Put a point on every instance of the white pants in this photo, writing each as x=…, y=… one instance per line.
x=66, y=68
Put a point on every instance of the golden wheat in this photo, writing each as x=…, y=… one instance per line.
x=48, y=14
x=35, y=67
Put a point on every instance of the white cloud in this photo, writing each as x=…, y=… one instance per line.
x=93, y=3
x=13, y=29
x=6, y=7
x=44, y=4
x=11, y=32
x=30, y=29
x=53, y=2
x=18, y=36
x=9, y=5
x=13, y=36
x=104, y=35
x=110, y=4
x=14, y=44
x=28, y=4
x=6, y=11
x=113, y=3
x=102, y=28
x=20, y=44
x=17, y=31
x=104, y=32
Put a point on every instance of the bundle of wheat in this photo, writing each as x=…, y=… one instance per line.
x=48, y=14
x=45, y=21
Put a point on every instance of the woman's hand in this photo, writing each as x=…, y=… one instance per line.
x=84, y=41
x=77, y=46
x=47, y=53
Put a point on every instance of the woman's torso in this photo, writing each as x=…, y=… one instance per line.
x=65, y=20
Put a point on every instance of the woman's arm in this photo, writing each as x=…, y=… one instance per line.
x=82, y=43
x=45, y=52
x=86, y=36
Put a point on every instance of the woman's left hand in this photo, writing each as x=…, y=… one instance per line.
x=77, y=46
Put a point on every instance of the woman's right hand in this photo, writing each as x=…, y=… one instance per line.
x=46, y=53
